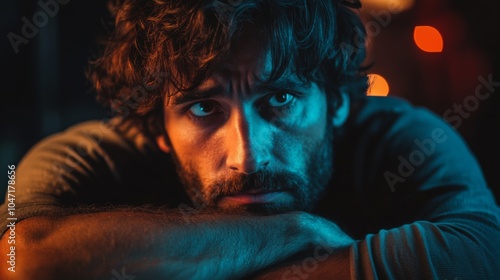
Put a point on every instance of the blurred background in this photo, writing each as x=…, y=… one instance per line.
x=436, y=53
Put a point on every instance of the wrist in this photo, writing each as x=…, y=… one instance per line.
x=316, y=231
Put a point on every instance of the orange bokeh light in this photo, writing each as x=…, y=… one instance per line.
x=428, y=39
x=378, y=85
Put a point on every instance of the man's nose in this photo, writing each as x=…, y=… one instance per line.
x=248, y=143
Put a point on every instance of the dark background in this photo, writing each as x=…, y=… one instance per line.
x=44, y=89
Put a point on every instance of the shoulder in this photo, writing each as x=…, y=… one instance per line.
x=90, y=135
x=93, y=157
x=394, y=120
x=407, y=148
x=96, y=143
x=376, y=108
x=396, y=163
x=395, y=127
x=401, y=148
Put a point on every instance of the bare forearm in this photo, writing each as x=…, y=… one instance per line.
x=154, y=244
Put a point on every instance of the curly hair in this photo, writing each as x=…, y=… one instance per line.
x=160, y=45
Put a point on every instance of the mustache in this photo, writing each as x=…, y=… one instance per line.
x=262, y=180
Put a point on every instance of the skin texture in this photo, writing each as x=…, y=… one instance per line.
x=241, y=144
x=165, y=246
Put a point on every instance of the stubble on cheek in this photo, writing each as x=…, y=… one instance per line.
x=305, y=186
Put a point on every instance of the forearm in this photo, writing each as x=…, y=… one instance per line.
x=153, y=244
x=425, y=250
x=421, y=250
x=322, y=263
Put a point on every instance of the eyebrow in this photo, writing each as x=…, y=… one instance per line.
x=218, y=91
x=194, y=95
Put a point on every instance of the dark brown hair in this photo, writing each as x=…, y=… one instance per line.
x=172, y=44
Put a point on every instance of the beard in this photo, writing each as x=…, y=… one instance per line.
x=306, y=188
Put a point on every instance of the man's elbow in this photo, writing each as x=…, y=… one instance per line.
x=24, y=254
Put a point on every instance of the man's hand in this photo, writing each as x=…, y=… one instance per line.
x=327, y=257
x=322, y=232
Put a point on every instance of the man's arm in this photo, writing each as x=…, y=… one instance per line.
x=458, y=248
x=165, y=245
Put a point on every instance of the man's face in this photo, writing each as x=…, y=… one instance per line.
x=243, y=145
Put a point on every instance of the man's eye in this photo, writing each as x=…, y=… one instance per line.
x=203, y=109
x=280, y=99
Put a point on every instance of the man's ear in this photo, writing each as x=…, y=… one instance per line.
x=342, y=112
x=162, y=142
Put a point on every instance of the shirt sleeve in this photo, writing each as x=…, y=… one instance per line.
x=444, y=222
x=91, y=164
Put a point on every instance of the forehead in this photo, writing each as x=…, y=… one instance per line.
x=253, y=67
x=246, y=71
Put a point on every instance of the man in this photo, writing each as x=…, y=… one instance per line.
x=244, y=147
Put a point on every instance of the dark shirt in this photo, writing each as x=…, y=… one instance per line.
x=405, y=186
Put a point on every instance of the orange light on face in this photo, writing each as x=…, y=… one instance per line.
x=378, y=85
x=428, y=39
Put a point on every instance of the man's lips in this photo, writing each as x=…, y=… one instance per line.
x=253, y=197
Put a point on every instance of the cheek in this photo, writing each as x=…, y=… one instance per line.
x=300, y=139
x=184, y=142
x=310, y=124
x=311, y=116
x=197, y=150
